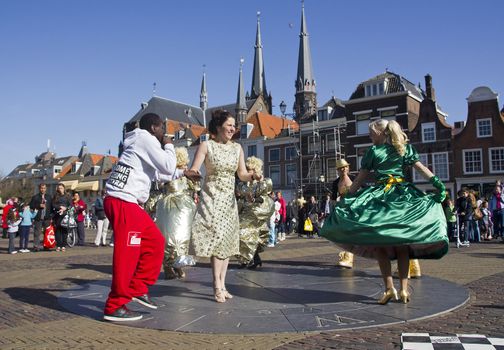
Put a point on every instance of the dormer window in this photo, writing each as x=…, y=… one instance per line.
x=375, y=88
x=484, y=127
x=76, y=166
x=56, y=169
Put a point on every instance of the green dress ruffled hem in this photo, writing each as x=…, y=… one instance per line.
x=382, y=216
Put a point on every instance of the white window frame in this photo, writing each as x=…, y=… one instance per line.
x=491, y=170
x=312, y=144
x=287, y=174
x=464, y=170
x=287, y=153
x=312, y=175
x=435, y=171
x=279, y=175
x=428, y=126
x=269, y=154
x=478, y=131
x=424, y=159
x=330, y=145
x=248, y=150
x=331, y=172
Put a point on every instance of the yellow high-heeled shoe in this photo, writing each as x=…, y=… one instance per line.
x=387, y=295
x=404, y=296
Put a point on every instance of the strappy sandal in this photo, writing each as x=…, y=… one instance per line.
x=227, y=295
x=219, y=295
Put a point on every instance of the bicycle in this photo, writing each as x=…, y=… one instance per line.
x=72, y=236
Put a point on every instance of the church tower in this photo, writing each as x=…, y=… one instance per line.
x=305, y=105
x=241, y=105
x=258, y=75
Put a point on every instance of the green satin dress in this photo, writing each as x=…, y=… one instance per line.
x=391, y=213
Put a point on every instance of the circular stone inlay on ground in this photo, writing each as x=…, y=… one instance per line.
x=275, y=298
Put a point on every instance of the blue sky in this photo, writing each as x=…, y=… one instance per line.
x=74, y=70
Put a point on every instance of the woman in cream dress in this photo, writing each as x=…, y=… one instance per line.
x=215, y=232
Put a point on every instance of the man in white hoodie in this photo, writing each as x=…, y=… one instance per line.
x=138, y=243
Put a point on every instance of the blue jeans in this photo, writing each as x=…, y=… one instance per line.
x=272, y=235
x=24, y=233
x=12, y=237
x=498, y=222
x=472, y=231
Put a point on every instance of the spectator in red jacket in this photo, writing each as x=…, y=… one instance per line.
x=80, y=208
x=283, y=216
x=11, y=203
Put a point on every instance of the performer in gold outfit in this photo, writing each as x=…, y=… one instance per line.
x=255, y=208
x=174, y=215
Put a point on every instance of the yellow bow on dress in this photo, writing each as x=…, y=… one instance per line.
x=391, y=181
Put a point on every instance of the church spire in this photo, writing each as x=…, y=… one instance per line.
x=258, y=76
x=204, y=96
x=241, y=105
x=306, y=94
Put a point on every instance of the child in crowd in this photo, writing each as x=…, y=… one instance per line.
x=27, y=216
x=486, y=221
x=451, y=219
x=12, y=228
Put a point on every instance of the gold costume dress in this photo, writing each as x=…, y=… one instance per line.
x=174, y=215
x=215, y=230
x=254, y=216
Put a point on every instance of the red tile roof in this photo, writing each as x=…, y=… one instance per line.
x=270, y=126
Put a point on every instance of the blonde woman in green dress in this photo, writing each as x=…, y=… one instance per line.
x=215, y=232
x=392, y=219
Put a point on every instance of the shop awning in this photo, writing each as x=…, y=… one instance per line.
x=88, y=186
x=70, y=184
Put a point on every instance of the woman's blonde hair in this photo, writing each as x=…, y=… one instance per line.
x=393, y=133
x=255, y=164
x=182, y=157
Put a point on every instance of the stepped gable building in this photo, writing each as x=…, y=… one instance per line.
x=432, y=138
x=479, y=145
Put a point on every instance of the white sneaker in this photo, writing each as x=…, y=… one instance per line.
x=13, y=252
x=271, y=245
x=111, y=244
x=24, y=251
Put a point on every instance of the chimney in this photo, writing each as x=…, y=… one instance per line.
x=431, y=94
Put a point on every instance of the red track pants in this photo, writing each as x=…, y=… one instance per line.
x=138, y=252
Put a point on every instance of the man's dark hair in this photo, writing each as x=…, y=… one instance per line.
x=148, y=120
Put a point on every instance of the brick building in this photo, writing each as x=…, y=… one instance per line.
x=479, y=146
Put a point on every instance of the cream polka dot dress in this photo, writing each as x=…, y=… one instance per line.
x=215, y=231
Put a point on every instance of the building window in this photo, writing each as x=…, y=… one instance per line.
x=314, y=170
x=496, y=156
x=424, y=159
x=252, y=151
x=290, y=153
x=484, y=127
x=274, y=154
x=332, y=174
x=290, y=174
x=274, y=174
x=330, y=144
x=375, y=89
x=313, y=144
x=57, y=169
x=322, y=114
x=440, y=165
x=76, y=166
x=362, y=123
x=368, y=90
x=472, y=161
x=388, y=113
x=428, y=132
